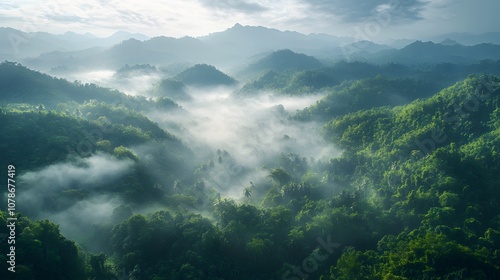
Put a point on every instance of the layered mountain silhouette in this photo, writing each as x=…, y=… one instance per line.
x=19, y=44
x=234, y=46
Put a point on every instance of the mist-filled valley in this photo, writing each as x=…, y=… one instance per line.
x=215, y=157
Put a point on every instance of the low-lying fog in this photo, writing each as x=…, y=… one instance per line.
x=131, y=83
x=251, y=131
x=254, y=130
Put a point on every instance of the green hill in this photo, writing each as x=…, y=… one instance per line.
x=433, y=164
x=365, y=94
x=19, y=84
x=204, y=75
x=284, y=60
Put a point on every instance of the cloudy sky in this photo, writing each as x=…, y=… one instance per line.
x=176, y=18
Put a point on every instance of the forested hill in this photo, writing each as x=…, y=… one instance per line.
x=46, y=120
x=368, y=93
x=19, y=84
x=433, y=166
x=323, y=79
x=413, y=194
x=204, y=75
x=283, y=60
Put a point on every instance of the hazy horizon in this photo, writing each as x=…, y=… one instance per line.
x=377, y=21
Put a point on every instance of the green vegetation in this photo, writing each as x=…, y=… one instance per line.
x=412, y=196
x=365, y=94
x=283, y=60
x=432, y=165
x=301, y=81
x=44, y=252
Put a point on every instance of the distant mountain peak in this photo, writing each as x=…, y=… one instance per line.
x=419, y=43
x=76, y=35
x=449, y=42
x=123, y=35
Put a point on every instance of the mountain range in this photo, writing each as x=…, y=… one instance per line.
x=230, y=50
x=17, y=44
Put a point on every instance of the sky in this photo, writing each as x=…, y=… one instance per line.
x=372, y=19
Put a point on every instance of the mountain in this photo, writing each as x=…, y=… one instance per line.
x=157, y=51
x=172, y=89
x=227, y=48
x=133, y=51
x=204, y=75
x=431, y=53
x=310, y=81
x=21, y=85
x=400, y=43
x=365, y=94
x=122, y=36
x=364, y=47
x=64, y=61
x=342, y=73
x=449, y=42
x=241, y=40
x=439, y=160
x=470, y=39
x=283, y=60
x=18, y=44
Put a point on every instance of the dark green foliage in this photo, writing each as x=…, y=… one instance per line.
x=412, y=196
x=438, y=160
x=435, y=76
x=366, y=94
x=41, y=252
x=21, y=85
x=37, y=138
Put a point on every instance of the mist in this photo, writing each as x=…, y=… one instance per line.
x=234, y=141
x=73, y=193
x=133, y=83
x=243, y=135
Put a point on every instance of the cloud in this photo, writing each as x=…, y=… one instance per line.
x=106, y=17
x=254, y=131
x=67, y=18
x=41, y=186
x=62, y=175
x=77, y=221
x=234, y=6
x=361, y=10
x=179, y=18
x=8, y=6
